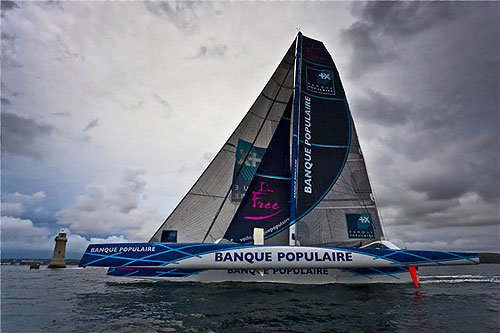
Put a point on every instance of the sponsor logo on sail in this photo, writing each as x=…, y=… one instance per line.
x=308, y=164
x=319, y=81
x=262, y=201
x=360, y=225
x=248, y=167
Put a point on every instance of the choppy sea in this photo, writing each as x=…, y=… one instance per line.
x=450, y=299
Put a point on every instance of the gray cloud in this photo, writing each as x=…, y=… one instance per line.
x=181, y=13
x=91, y=125
x=66, y=53
x=102, y=210
x=431, y=116
x=166, y=109
x=8, y=5
x=382, y=25
x=16, y=204
x=216, y=50
x=381, y=109
x=21, y=136
x=367, y=52
x=403, y=19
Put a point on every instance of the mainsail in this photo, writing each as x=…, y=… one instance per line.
x=294, y=159
x=335, y=204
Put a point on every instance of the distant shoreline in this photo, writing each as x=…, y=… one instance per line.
x=29, y=261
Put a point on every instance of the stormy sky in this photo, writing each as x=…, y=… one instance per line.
x=111, y=110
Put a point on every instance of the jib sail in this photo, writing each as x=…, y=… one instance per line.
x=266, y=203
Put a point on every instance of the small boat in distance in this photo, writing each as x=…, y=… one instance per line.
x=286, y=199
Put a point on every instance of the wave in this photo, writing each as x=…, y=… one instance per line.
x=459, y=279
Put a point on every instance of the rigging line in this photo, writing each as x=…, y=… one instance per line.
x=332, y=236
x=207, y=195
x=273, y=99
x=245, y=159
x=279, y=84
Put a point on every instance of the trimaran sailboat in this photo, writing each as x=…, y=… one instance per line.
x=286, y=199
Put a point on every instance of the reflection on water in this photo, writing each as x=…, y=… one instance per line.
x=75, y=300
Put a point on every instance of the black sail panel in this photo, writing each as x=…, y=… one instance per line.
x=335, y=203
x=266, y=202
x=324, y=127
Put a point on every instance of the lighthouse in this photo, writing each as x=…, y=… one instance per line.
x=59, y=251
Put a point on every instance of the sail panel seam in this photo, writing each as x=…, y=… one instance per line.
x=273, y=177
x=329, y=146
x=273, y=100
x=347, y=207
x=281, y=85
x=320, y=97
x=259, y=116
x=315, y=63
x=207, y=195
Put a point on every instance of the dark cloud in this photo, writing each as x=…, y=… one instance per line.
x=8, y=37
x=91, y=125
x=382, y=25
x=181, y=13
x=431, y=115
x=9, y=41
x=441, y=185
x=20, y=135
x=403, y=19
x=216, y=50
x=381, y=109
x=167, y=109
x=8, y=5
x=367, y=52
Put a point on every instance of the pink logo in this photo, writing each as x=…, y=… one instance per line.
x=260, y=201
x=310, y=53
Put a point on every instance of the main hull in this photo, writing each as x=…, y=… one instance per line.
x=204, y=256
x=293, y=276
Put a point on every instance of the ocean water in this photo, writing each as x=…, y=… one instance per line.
x=450, y=299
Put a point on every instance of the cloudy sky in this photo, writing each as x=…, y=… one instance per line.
x=111, y=110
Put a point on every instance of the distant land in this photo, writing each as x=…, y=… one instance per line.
x=30, y=261
x=489, y=258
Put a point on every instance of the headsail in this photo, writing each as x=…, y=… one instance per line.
x=208, y=207
x=266, y=203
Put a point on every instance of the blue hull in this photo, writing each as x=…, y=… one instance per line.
x=172, y=254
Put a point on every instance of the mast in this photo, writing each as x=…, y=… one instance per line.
x=295, y=140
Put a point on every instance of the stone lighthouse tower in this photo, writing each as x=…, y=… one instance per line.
x=59, y=251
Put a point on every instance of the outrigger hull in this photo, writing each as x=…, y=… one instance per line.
x=262, y=263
